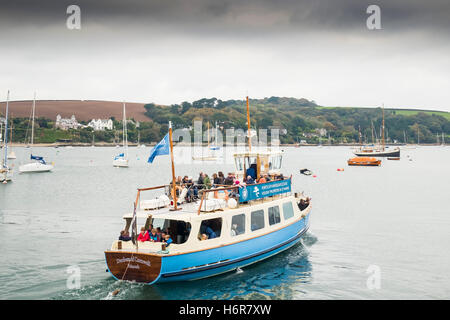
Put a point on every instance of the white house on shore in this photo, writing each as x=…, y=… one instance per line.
x=101, y=124
x=67, y=123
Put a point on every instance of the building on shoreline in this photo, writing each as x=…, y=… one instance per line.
x=101, y=124
x=67, y=123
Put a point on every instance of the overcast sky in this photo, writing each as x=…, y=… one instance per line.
x=170, y=51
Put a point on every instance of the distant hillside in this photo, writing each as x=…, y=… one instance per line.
x=298, y=119
x=84, y=110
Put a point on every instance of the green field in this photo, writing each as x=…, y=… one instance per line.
x=407, y=112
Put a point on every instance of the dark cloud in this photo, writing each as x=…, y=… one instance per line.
x=235, y=15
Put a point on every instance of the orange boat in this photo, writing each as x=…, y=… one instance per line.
x=364, y=161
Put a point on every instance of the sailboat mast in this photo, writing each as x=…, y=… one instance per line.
x=207, y=131
x=125, y=140
x=248, y=125
x=6, y=133
x=32, y=119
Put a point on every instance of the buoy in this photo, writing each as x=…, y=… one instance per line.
x=314, y=176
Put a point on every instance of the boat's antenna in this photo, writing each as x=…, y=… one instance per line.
x=173, y=169
x=248, y=125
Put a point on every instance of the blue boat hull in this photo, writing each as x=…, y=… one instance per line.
x=228, y=258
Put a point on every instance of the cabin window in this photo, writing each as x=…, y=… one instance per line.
x=177, y=229
x=210, y=229
x=288, y=210
x=257, y=220
x=274, y=215
x=275, y=162
x=238, y=225
x=239, y=164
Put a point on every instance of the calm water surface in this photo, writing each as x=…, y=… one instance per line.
x=395, y=217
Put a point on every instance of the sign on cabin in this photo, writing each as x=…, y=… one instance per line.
x=259, y=191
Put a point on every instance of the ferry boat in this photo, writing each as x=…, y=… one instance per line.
x=265, y=219
x=245, y=224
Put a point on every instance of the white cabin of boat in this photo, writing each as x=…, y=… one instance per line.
x=268, y=162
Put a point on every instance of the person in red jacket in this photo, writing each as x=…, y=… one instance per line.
x=143, y=236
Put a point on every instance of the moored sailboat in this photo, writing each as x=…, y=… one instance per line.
x=121, y=160
x=378, y=150
x=38, y=164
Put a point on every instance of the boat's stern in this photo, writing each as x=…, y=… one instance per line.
x=133, y=266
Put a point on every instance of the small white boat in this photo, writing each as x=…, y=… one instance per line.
x=38, y=163
x=35, y=167
x=121, y=160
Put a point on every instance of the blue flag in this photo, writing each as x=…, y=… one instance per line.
x=162, y=148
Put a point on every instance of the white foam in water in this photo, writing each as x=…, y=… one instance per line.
x=239, y=270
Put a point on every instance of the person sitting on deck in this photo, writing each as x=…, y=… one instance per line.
x=204, y=236
x=143, y=236
x=229, y=179
x=210, y=233
x=250, y=180
x=262, y=180
x=167, y=240
x=206, y=181
x=124, y=236
x=221, y=177
x=267, y=177
x=159, y=233
x=303, y=204
x=200, y=180
x=216, y=180
x=153, y=237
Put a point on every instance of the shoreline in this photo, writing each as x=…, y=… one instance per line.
x=181, y=144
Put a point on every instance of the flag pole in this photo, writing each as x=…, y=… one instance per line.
x=173, y=168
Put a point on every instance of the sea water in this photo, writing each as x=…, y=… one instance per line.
x=376, y=232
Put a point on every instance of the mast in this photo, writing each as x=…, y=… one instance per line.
x=382, y=129
x=32, y=119
x=373, y=141
x=360, y=137
x=248, y=125
x=173, y=168
x=6, y=134
x=207, y=131
x=404, y=136
x=125, y=140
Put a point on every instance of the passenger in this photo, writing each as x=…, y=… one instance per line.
x=200, y=180
x=303, y=204
x=234, y=231
x=167, y=240
x=267, y=177
x=216, y=179
x=124, y=236
x=204, y=237
x=262, y=180
x=210, y=232
x=206, y=181
x=229, y=180
x=221, y=177
x=249, y=180
x=143, y=236
x=159, y=233
x=153, y=237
